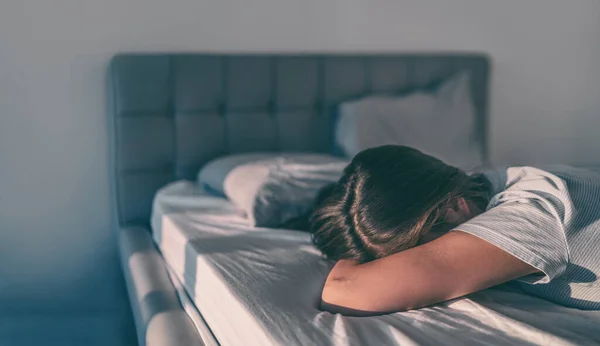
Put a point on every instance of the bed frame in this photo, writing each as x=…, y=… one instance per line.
x=172, y=113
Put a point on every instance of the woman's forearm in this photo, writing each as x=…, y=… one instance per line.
x=448, y=267
x=347, y=292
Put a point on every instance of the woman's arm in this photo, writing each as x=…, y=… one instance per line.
x=451, y=266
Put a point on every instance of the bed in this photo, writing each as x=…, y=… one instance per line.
x=172, y=113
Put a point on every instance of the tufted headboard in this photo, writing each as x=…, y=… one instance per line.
x=171, y=113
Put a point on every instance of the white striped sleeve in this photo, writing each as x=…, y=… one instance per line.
x=528, y=231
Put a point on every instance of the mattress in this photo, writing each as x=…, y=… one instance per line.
x=256, y=286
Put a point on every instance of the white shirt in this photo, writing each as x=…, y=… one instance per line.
x=549, y=219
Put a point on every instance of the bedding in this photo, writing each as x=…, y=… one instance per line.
x=271, y=192
x=212, y=175
x=171, y=113
x=208, y=339
x=440, y=123
x=258, y=286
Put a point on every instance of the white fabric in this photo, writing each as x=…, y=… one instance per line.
x=190, y=309
x=273, y=191
x=212, y=175
x=258, y=286
x=441, y=123
x=550, y=219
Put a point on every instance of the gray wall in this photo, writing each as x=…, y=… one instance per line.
x=57, y=252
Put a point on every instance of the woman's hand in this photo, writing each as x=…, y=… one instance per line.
x=451, y=266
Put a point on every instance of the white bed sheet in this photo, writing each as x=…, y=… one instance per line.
x=257, y=286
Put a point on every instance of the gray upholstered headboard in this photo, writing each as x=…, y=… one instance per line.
x=171, y=113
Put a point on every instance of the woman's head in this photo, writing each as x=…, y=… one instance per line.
x=388, y=199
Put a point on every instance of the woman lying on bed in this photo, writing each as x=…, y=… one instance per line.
x=409, y=231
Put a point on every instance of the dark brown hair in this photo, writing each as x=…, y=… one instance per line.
x=387, y=199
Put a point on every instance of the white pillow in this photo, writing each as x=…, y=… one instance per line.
x=273, y=191
x=212, y=175
x=441, y=123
